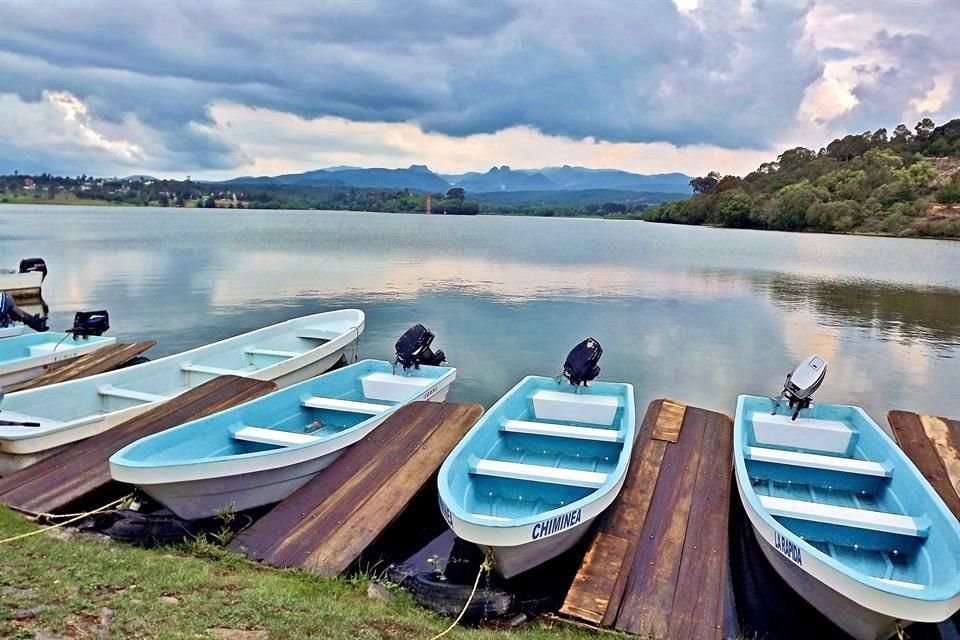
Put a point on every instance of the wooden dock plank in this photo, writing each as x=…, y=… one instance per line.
x=648, y=600
x=99, y=361
x=659, y=562
x=83, y=468
x=936, y=457
x=703, y=570
x=327, y=524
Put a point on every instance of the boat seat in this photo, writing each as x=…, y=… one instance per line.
x=828, y=436
x=815, y=461
x=317, y=333
x=903, y=584
x=335, y=404
x=273, y=353
x=538, y=473
x=392, y=387
x=274, y=436
x=575, y=407
x=129, y=394
x=481, y=516
x=212, y=371
x=561, y=431
x=844, y=516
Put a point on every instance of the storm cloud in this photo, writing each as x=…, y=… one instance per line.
x=111, y=85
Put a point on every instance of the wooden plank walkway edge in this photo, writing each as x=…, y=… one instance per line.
x=82, y=468
x=328, y=523
x=933, y=444
x=659, y=561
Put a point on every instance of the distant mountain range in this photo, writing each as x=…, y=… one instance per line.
x=497, y=180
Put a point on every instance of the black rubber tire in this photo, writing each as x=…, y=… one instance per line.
x=432, y=592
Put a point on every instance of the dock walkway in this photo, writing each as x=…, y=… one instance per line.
x=327, y=524
x=82, y=468
x=934, y=446
x=658, y=564
x=99, y=361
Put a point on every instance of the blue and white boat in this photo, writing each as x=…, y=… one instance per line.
x=59, y=414
x=260, y=452
x=24, y=357
x=529, y=478
x=843, y=516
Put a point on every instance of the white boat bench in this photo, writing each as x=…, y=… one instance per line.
x=210, y=371
x=539, y=473
x=318, y=333
x=274, y=437
x=844, y=516
x=392, y=387
x=352, y=406
x=272, y=353
x=815, y=461
x=575, y=407
x=129, y=394
x=561, y=431
x=812, y=434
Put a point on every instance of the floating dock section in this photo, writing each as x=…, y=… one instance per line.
x=327, y=524
x=933, y=444
x=82, y=468
x=659, y=564
x=100, y=361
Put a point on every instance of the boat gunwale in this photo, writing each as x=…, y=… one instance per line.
x=614, y=478
x=931, y=592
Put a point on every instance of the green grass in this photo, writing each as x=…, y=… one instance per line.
x=69, y=582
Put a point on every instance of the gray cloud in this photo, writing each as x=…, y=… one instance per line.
x=617, y=70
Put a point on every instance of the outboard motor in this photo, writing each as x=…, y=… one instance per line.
x=413, y=349
x=28, y=265
x=89, y=323
x=580, y=366
x=801, y=384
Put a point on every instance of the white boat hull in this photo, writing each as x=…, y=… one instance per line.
x=861, y=611
x=239, y=485
x=19, y=445
x=512, y=561
x=9, y=332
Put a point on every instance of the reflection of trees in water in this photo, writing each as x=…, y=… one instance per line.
x=904, y=314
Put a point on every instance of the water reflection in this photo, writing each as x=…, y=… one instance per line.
x=698, y=314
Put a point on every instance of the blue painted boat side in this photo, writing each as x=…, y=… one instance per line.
x=211, y=439
x=930, y=559
x=467, y=494
x=17, y=348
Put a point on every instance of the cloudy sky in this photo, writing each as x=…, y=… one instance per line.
x=224, y=88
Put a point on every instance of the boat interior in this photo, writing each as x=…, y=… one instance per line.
x=543, y=447
x=307, y=413
x=832, y=479
x=33, y=345
x=167, y=377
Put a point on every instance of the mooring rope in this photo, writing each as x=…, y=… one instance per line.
x=485, y=567
x=79, y=516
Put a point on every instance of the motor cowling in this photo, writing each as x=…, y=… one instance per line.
x=413, y=348
x=581, y=365
x=802, y=383
x=28, y=265
x=90, y=323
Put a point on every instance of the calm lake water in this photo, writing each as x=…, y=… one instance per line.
x=696, y=314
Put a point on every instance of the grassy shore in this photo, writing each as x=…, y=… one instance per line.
x=62, y=584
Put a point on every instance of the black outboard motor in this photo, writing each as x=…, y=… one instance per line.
x=10, y=313
x=90, y=323
x=28, y=265
x=581, y=364
x=413, y=349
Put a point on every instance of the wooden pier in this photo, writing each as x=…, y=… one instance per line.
x=658, y=564
x=90, y=364
x=82, y=468
x=934, y=446
x=332, y=520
